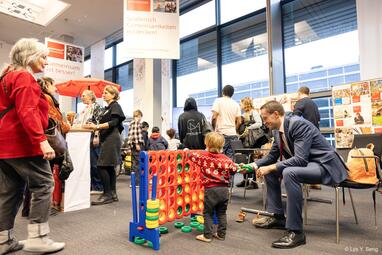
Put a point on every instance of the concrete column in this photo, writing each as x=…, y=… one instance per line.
x=152, y=91
x=369, y=20
x=275, y=48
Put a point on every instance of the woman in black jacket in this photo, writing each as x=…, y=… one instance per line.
x=192, y=126
x=110, y=128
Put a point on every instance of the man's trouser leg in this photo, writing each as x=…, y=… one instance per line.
x=293, y=177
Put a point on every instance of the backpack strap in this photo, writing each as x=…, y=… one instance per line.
x=10, y=107
x=364, y=160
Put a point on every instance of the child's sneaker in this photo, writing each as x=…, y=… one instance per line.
x=216, y=235
x=241, y=217
x=203, y=238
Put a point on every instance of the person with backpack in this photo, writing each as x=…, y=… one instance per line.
x=192, y=126
x=156, y=141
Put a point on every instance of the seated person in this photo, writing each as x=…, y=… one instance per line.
x=308, y=158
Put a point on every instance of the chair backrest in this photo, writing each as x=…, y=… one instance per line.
x=236, y=144
x=240, y=158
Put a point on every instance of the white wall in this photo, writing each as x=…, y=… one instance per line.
x=5, y=48
x=369, y=20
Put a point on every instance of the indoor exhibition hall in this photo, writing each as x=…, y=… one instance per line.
x=190, y=127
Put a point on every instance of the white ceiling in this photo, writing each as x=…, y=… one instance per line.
x=87, y=21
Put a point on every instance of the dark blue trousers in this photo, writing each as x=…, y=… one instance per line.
x=293, y=177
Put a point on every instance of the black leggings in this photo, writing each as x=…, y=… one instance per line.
x=108, y=178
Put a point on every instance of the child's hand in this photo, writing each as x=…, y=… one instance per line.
x=245, y=168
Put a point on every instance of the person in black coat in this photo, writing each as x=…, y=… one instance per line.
x=306, y=107
x=110, y=127
x=192, y=126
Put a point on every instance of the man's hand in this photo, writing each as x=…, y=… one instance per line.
x=264, y=170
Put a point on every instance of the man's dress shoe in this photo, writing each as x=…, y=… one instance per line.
x=290, y=240
x=271, y=222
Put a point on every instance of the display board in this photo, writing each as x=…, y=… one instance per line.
x=357, y=109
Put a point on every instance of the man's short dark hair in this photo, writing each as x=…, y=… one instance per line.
x=273, y=106
x=304, y=90
x=145, y=124
x=228, y=90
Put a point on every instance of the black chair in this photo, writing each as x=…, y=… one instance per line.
x=238, y=158
x=352, y=185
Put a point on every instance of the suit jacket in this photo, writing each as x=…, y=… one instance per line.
x=307, y=145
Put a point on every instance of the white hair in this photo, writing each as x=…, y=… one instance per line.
x=27, y=51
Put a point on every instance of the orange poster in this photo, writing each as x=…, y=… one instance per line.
x=56, y=50
x=138, y=5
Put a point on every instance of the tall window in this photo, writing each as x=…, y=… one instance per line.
x=321, y=44
x=121, y=55
x=108, y=58
x=245, y=57
x=232, y=9
x=197, y=19
x=197, y=71
x=87, y=67
x=124, y=77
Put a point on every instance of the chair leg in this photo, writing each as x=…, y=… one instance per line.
x=230, y=190
x=306, y=194
x=245, y=185
x=337, y=216
x=352, y=204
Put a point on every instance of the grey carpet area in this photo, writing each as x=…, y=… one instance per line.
x=105, y=229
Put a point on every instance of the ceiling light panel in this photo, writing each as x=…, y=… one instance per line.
x=41, y=12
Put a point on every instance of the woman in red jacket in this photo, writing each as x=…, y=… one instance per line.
x=24, y=149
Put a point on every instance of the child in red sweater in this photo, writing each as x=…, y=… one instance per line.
x=215, y=170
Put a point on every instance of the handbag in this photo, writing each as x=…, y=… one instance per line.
x=66, y=167
x=55, y=138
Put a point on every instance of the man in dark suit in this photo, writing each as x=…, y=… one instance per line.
x=305, y=157
x=306, y=107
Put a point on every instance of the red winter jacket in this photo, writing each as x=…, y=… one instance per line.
x=215, y=169
x=22, y=128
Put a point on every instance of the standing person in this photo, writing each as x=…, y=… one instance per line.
x=156, y=141
x=24, y=149
x=192, y=126
x=307, y=157
x=110, y=127
x=173, y=143
x=306, y=107
x=215, y=174
x=226, y=118
x=136, y=142
x=145, y=134
x=91, y=114
x=48, y=88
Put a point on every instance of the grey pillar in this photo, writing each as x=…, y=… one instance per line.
x=275, y=48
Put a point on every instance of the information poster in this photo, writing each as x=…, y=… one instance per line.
x=151, y=29
x=66, y=61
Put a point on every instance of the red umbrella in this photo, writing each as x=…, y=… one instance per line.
x=74, y=88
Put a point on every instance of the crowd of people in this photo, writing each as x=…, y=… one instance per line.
x=30, y=168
